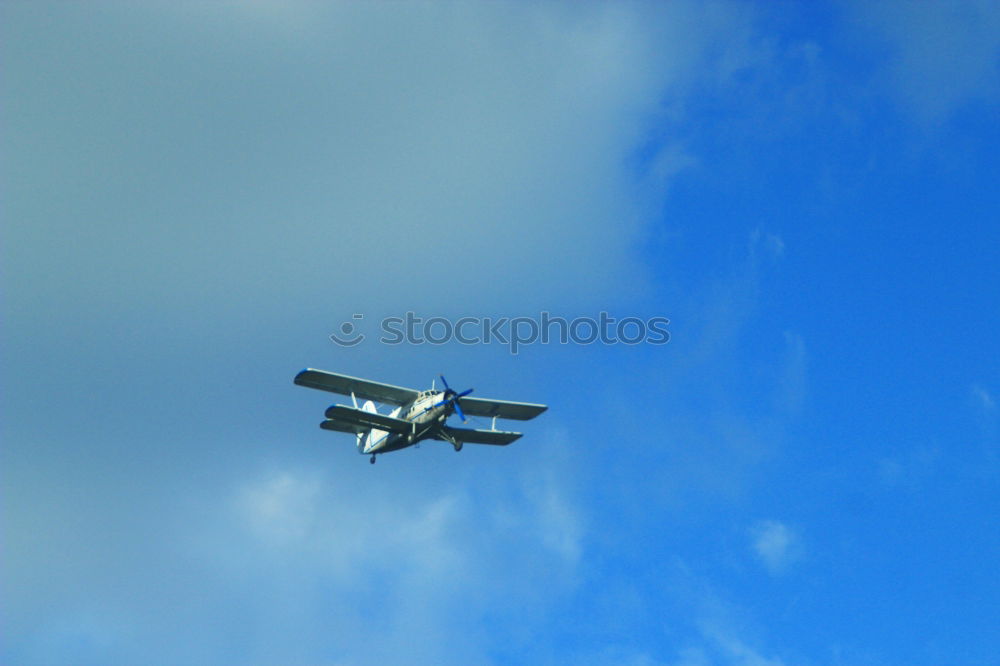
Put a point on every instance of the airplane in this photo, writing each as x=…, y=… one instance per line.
x=418, y=415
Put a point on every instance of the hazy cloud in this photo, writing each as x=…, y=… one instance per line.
x=984, y=398
x=793, y=380
x=383, y=142
x=735, y=652
x=775, y=544
x=911, y=468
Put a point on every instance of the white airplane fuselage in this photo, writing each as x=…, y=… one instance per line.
x=426, y=415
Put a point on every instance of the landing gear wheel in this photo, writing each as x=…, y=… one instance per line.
x=372, y=459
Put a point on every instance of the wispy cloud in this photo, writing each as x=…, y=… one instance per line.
x=984, y=398
x=776, y=545
x=910, y=468
x=282, y=508
x=765, y=243
x=446, y=559
x=733, y=651
x=793, y=380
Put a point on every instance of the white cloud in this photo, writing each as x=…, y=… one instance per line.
x=221, y=174
x=381, y=146
x=557, y=524
x=775, y=544
x=984, y=398
x=735, y=652
x=716, y=646
x=766, y=243
x=727, y=637
x=431, y=564
x=282, y=508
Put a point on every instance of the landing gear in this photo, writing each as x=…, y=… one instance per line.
x=443, y=434
x=372, y=459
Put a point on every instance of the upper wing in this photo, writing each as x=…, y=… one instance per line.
x=343, y=414
x=522, y=411
x=362, y=388
x=470, y=436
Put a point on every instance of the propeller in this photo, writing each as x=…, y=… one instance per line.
x=453, y=397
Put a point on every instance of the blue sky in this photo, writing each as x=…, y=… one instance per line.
x=195, y=196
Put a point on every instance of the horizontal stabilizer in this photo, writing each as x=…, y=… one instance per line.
x=368, y=420
x=343, y=426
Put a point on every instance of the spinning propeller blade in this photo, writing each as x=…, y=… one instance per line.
x=450, y=396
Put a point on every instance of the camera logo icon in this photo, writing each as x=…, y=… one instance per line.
x=349, y=335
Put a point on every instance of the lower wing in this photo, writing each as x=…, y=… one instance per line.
x=505, y=409
x=470, y=436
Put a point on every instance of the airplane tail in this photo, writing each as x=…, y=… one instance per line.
x=369, y=406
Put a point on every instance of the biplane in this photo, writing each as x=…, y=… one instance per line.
x=415, y=415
